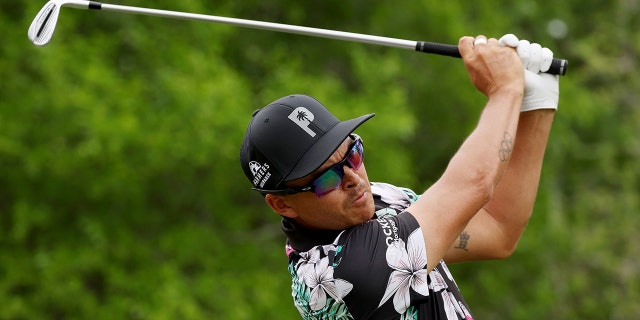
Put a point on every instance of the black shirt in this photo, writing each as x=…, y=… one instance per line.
x=375, y=270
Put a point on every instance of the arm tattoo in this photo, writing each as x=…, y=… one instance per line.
x=506, y=147
x=464, y=239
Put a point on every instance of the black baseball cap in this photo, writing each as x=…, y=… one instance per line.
x=291, y=138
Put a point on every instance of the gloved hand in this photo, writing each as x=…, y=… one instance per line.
x=541, y=89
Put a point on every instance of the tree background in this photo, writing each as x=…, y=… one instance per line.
x=121, y=195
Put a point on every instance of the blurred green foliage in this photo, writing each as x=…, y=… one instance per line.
x=121, y=196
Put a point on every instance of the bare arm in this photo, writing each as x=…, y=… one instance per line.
x=495, y=230
x=467, y=184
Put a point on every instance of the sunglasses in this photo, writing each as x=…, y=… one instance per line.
x=331, y=179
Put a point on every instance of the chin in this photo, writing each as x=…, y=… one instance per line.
x=367, y=212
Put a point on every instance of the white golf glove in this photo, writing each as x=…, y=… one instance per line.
x=541, y=89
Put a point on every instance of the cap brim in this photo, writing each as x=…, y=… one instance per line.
x=325, y=147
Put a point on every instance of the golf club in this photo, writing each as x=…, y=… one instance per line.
x=43, y=25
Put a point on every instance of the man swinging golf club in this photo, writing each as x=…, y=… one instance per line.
x=366, y=250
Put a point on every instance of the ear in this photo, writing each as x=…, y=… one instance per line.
x=280, y=205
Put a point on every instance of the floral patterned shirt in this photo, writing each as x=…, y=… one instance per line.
x=375, y=270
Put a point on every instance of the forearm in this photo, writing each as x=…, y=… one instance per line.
x=496, y=228
x=467, y=184
x=489, y=148
x=514, y=197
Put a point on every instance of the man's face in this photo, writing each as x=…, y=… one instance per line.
x=349, y=205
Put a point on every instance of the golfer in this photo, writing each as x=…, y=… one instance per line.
x=366, y=250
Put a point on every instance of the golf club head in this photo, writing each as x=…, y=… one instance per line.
x=43, y=25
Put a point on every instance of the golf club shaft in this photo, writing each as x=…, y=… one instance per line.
x=558, y=66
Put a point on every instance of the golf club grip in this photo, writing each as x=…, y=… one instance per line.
x=558, y=66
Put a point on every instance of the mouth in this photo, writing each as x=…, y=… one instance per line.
x=360, y=197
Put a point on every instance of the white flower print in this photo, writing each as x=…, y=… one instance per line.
x=392, y=195
x=318, y=276
x=451, y=306
x=311, y=256
x=437, y=281
x=409, y=271
x=447, y=272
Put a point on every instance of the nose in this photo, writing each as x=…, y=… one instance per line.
x=351, y=177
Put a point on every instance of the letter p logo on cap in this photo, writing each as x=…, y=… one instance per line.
x=303, y=117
